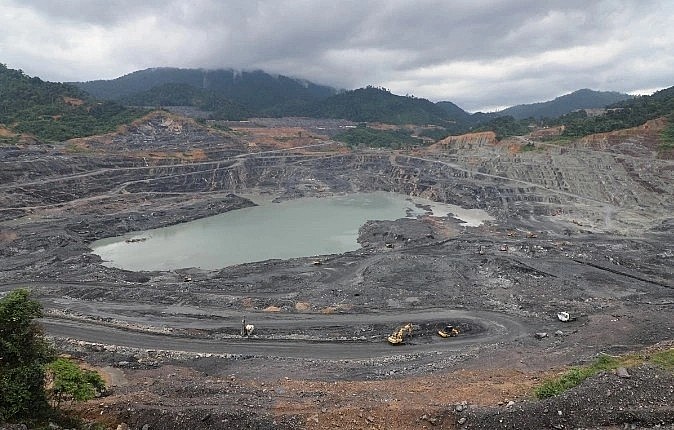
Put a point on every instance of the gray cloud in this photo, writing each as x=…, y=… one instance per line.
x=480, y=54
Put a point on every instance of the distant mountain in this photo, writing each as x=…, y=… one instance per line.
x=373, y=104
x=236, y=95
x=55, y=111
x=581, y=99
x=233, y=94
x=257, y=91
x=187, y=95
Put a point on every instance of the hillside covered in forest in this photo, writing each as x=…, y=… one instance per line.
x=58, y=111
x=54, y=111
x=230, y=94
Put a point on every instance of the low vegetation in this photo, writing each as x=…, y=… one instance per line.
x=573, y=377
x=505, y=126
x=664, y=359
x=363, y=135
x=529, y=147
x=68, y=382
x=667, y=135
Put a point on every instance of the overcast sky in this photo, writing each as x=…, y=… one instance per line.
x=480, y=54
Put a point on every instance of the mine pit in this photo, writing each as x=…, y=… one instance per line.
x=324, y=326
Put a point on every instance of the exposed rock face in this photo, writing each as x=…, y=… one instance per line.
x=465, y=141
x=547, y=132
x=487, y=176
x=641, y=141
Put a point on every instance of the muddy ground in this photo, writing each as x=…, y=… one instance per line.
x=583, y=229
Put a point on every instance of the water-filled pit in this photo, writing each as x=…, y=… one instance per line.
x=293, y=228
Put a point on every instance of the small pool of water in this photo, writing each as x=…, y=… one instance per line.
x=293, y=228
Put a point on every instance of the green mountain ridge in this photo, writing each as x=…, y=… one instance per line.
x=580, y=99
x=256, y=91
x=55, y=111
x=58, y=111
x=371, y=104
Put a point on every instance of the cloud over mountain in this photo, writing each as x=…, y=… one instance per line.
x=479, y=54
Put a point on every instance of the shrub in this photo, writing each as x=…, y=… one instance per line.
x=70, y=382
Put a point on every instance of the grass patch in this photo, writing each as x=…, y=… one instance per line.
x=362, y=135
x=77, y=149
x=576, y=375
x=216, y=125
x=556, y=386
x=664, y=359
x=667, y=135
x=667, y=138
x=531, y=147
x=13, y=140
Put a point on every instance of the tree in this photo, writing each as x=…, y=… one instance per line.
x=23, y=355
x=70, y=382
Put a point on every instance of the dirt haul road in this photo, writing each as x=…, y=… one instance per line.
x=477, y=328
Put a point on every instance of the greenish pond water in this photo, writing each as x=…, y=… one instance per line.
x=294, y=228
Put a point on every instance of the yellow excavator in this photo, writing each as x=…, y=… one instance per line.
x=400, y=334
x=448, y=331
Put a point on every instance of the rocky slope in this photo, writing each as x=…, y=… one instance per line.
x=576, y=227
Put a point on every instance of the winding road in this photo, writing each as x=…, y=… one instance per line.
x=493, y=328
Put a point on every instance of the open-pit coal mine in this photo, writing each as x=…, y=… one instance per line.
x=583, y=230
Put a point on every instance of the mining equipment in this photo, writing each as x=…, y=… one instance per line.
x=246, y=329
x=400, y=334
x=448, y=331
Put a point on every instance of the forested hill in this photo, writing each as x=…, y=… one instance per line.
x=257, y=91
x=187, y=95
x=373, y=104
x=625, y=114
x=234, y=94
x=455, y=113
x=54, y=111
x=581, y=99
